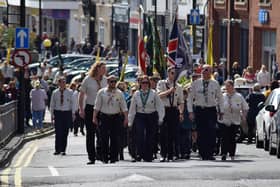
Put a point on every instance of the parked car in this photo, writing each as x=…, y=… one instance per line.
x=274, y=138
x=264, y=119
x=244, y=88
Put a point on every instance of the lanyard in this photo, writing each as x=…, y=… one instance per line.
x=170, y=97
x=144, y=98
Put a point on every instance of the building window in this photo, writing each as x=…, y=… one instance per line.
x=240, y=1
x=153, y=2
x=219, y=1
x=265, y=1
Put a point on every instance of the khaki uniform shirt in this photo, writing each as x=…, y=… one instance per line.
x=210, y=97
x=178, y=99
x=153, y=104
x=90, y=87
x=110, y=102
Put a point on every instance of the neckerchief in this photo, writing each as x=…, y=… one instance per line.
x=144, y=98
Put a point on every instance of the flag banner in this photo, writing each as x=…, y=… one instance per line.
x=210, y=58
x=173, y=44
x=183, y=59
x=159, y=62
x=142, y=56
x=122, y=76
x=148, y=40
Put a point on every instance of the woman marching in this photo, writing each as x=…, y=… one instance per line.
x=235, y=106
x=146, y=111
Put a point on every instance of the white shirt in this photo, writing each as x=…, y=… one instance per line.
x=152, y=104
x=198, y=97
x=90, y=87
x=233, y=105
x=263, y=78
x=164, y=85
x=67, y=105
x=7, y=71
x=109, y=102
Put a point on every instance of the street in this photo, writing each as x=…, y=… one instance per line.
x=35, y=165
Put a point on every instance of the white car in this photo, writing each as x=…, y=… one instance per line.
x=264, y=118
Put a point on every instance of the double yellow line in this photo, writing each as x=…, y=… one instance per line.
x=22, y=161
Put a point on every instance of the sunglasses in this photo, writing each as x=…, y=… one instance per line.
x=113, y=81
x=205, y=70
x=145, y=82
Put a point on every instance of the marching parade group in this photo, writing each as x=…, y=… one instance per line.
x=160, y=115
x=148, y=116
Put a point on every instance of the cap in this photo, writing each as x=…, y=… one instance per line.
x=112, y=77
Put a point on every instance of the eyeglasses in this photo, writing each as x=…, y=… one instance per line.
x=113, y=81
x=145, y=82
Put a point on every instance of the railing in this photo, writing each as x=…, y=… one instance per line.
x=8, y=121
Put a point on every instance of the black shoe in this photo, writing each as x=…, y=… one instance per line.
x=56, y=153
x=83, y=133
x=187, y=157
x=63, y=153
x=121, y=157
x=177, y=158
x=91, y=162
x=211, y=158
x=133, y=160
x=75, y=134
x=224, y=157
x=163, y=159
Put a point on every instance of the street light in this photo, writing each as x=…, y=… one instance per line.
x=228, y=22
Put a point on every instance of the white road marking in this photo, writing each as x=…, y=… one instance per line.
x=135, y=178
x=53, y=171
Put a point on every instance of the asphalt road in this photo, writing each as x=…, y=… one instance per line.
x=35, y=165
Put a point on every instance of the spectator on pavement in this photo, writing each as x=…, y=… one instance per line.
x=253, y=99
x=263, y=77
x=38, y=98
x=7, y=71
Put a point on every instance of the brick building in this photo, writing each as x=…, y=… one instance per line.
x=246, y=31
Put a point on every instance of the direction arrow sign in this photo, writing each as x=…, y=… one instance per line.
x=21, y=57
x=22, y=38
x=195, y=17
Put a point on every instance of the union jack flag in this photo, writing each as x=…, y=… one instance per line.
x=173, y=44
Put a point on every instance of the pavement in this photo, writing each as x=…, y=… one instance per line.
x=18, y=140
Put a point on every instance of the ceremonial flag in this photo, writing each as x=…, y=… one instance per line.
x=183, y=59
x=148, y=38
x=173, y=44
x=123, y=68
x=142, y=55
x=159, y=63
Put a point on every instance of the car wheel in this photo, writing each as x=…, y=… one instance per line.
x=265, y=143
x=259, y=144
x=272, y=150
x=278, y=147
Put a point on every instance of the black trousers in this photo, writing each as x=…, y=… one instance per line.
x=168, y=132
x=62, y=123
x=206, y=119
x=90, y=135
x=228, y=143
x=110, y=127
x=78, y=122
x=145, y=125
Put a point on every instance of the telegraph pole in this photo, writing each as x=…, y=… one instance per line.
x=21, y=98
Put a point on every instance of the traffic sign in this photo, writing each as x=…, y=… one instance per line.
x=194, y=17
x=201, y=19
x=22, y=38
x=21, y=57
